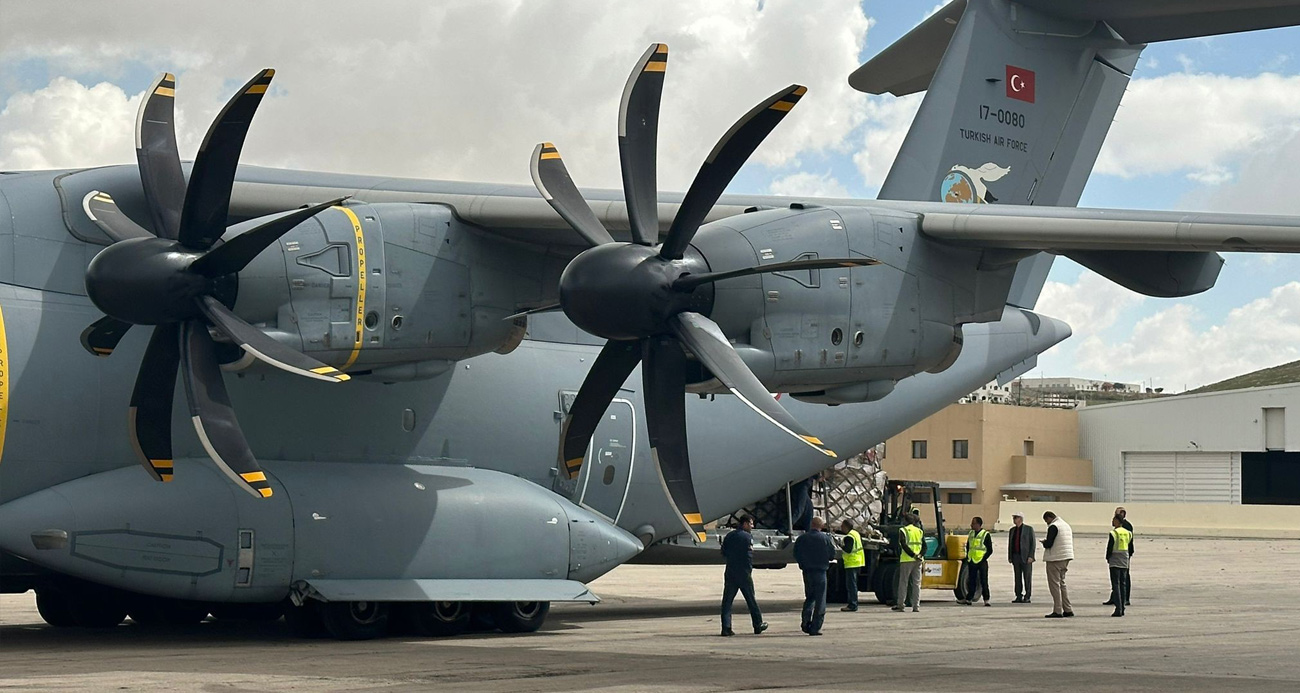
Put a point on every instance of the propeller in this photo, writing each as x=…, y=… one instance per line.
x=180, y=280
x=644, y=299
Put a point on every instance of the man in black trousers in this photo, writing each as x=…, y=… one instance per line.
x=814, y=551
x=738, y=549
x=1122, y=514
x=1020, y=552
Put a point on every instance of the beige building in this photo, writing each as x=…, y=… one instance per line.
x=981, y=453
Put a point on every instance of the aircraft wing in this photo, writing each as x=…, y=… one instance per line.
x=1065, y=229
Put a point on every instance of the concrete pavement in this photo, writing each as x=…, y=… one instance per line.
x=1206, y=615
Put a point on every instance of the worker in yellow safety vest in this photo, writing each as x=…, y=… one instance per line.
x=910, y=563
x=853, y=558
x=1119, y=551
x=979, y=546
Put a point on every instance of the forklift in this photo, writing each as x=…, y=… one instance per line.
x=944, y=553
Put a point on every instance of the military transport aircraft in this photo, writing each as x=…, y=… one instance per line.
x=377, y=374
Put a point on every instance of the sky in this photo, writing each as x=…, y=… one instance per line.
x=463, y=90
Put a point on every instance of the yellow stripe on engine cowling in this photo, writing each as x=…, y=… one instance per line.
x=4, y=384
x=694, y=518
x=253, y=476
x=359, y=327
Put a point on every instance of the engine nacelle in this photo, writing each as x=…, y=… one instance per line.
x=831, y=335
x=394, y=291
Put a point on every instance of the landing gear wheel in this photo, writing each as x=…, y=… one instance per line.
x=96, y=608
x=888, y=585
x=520, y=617
x=305, y=621
x=53, y=606
x=438, y=619
x=157, y=611
x=252, y=612
x=355, y=620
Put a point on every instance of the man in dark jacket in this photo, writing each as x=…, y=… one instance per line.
x=1020, y=552
x=738, y=549
x=814, y=552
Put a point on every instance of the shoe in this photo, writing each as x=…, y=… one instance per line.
x=916, y=609
x=1108, y=603
x=1118, y=613
x=1068, y=614
x=1018, y=600
x=1054, y=615
x=1026, y=601
x=987, y=604
x=728, y=633
x=849, y=608
x=896, y=608
x=1128, y=604
x=759, y=630
x=815, y=632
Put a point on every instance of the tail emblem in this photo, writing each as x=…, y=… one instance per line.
x=970, y=185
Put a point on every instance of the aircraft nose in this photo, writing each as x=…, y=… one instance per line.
x=596, y=546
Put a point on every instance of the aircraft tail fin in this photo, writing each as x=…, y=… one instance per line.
x=1020, y=98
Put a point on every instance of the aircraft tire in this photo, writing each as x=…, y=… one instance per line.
x=54, y=608
x=166, y=613
x=355, y=620
x=305, y=621
x=250, y=612
x=520, y=617
x=96, y=608
x=438, y=619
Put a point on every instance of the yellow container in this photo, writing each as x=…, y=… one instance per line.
x=956, y=547
x=940, y=574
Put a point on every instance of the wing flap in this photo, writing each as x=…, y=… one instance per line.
x=1059, y=229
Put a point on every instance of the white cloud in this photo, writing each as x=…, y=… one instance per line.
x=1263, y=183
x=804, y=184
x=1174, y=350
x=457, y=89
x=1202, y=125
x=67, y=124
x=888, y=120
x=1090, y=305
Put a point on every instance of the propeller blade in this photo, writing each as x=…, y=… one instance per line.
x=100, y=338
x=266, y=349
x=603, y=381
x=553, y=182
x=728, y=155
x=533, y=311
x=664, y=377
x=160, y=162
x=688, y=282
x=150, y=415
x=234, y=255
x=706, y=340
x=214, y=418
x=102, y=210
x=638, y=131
x=207, y=200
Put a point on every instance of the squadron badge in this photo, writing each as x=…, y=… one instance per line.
x=970, y=185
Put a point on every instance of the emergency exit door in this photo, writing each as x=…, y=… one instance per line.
x=607, y=469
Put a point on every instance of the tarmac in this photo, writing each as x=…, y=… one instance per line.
x=1213, y=614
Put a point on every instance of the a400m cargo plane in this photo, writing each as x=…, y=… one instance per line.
x=480, y=328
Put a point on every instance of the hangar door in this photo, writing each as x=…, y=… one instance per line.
x=1182, y=477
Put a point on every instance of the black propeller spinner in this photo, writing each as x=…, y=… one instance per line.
x=180, y=283
x=643, y=299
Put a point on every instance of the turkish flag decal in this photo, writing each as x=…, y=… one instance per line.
x=1020, y=83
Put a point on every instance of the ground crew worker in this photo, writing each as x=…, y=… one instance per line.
x=738, y=549
x=814, y=551
x=979, y=546
x=910, y=560
x=1128, y=586
x=1058, y=551
x=854, y=557
x=1119, y=549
